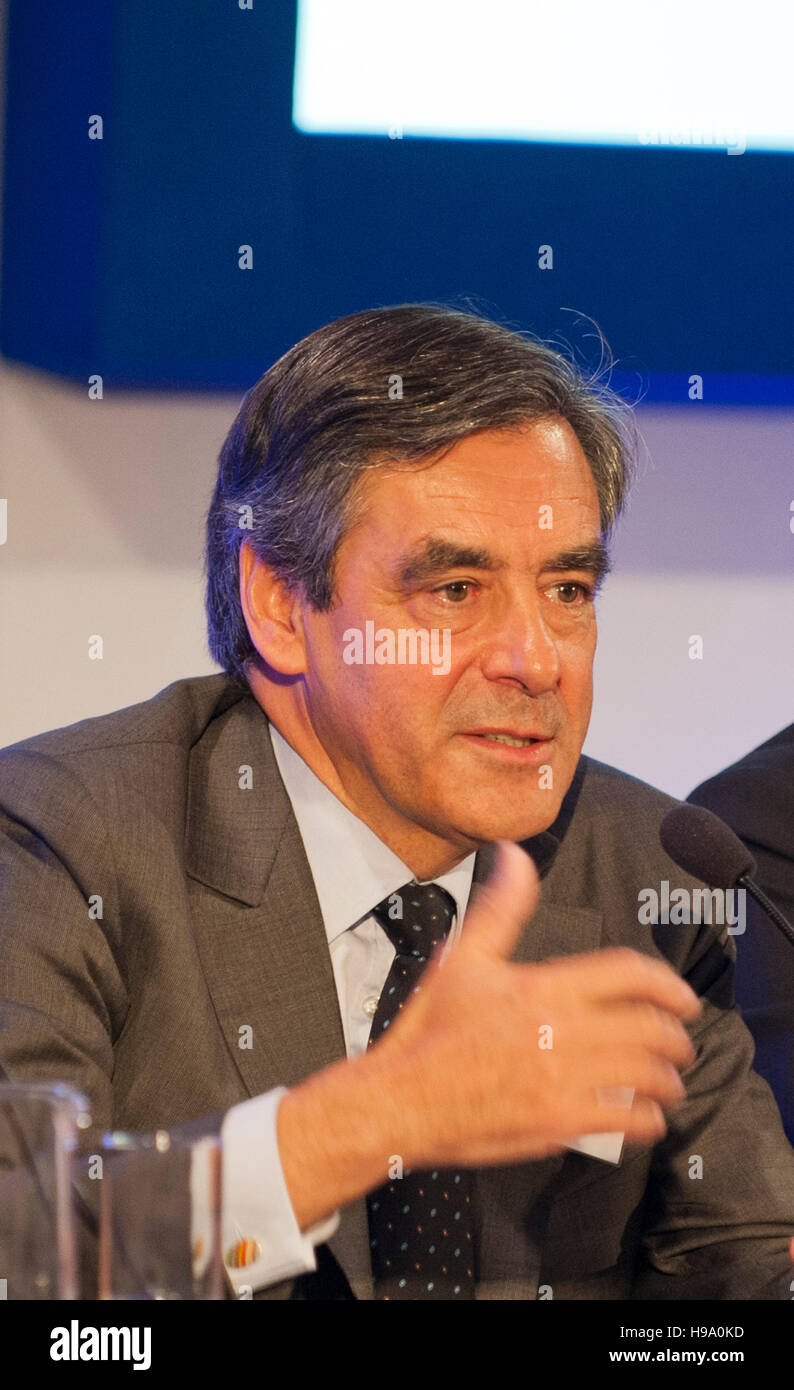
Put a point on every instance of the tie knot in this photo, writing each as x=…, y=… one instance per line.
x=416, y=918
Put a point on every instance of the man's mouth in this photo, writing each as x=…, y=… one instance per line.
x=521, y=747
x=511, y=737
x=508, y=739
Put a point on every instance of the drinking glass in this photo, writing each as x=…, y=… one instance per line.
x=39, y=1129
x=159, y=1217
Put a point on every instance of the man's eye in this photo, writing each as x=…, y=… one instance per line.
x=453, y=589
x=574, y=590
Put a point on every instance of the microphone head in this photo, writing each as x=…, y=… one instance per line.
x=705, y=846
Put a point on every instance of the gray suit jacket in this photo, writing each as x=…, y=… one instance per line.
x=210, y=921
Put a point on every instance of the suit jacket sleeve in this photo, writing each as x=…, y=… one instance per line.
x=63, y=1001
x=720, y=1198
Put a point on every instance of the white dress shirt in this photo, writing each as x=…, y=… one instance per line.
x=353, y=871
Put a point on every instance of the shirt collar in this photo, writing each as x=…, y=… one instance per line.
x=352, y=868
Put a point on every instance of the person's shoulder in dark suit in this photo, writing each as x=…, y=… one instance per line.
x=755, y=797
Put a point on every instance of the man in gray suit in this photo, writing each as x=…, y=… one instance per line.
x=406, y=537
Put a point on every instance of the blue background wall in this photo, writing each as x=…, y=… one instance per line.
x=120, y=255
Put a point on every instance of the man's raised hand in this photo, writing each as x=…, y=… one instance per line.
x=494, y=1061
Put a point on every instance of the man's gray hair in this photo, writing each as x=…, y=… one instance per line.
x=398, y=383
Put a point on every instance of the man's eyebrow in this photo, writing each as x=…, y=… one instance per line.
x=435, y=555
x=593, y=558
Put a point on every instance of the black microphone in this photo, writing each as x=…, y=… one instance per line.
x=707, y=848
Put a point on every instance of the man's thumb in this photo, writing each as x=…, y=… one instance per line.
x=504, y=903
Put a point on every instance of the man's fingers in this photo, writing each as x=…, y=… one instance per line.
x=656, y=1029
x=619, y=974
x=646, y=1073
x=644, y=1123
x=503, y=904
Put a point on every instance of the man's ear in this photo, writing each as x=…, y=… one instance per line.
x=272, y=615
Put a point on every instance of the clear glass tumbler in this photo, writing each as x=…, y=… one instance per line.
x=160, y=1217
x=39, y=1126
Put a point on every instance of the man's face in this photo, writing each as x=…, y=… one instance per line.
x=483, y=543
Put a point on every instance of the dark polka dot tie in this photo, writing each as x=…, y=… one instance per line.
x=420, y=1223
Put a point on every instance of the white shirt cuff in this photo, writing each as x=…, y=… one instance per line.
x=262, y=1242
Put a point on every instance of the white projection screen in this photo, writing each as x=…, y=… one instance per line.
x=690, y=73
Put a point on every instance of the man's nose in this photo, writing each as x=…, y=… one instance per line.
x=520, y=647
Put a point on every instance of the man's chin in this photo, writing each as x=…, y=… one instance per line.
x=505, y=824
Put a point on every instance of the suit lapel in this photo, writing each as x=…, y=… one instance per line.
x=258, y=923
